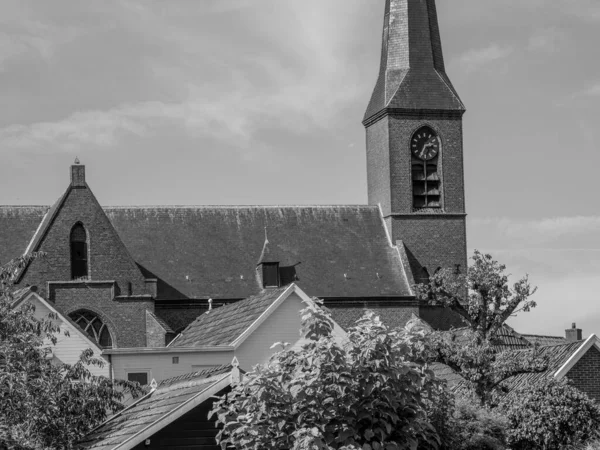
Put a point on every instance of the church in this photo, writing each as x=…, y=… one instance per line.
x=136, y=277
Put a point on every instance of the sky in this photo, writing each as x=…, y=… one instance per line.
x=260, y=102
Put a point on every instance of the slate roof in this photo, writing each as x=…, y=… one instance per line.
x=223, y=325
x=168, y=396
x=412, y=73
x=212, y=252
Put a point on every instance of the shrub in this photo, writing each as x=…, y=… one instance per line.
x=551, y=416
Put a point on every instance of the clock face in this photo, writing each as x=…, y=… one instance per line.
x=425, y=144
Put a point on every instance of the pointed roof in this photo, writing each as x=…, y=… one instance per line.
x=412, y=74
x=228, y=325
x=167, y=402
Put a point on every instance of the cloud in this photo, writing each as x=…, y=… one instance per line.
x=226, y=87
x=547, y=40
x=592, y=91
x=477, y=58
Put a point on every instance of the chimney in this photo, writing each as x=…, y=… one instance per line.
x=77, y=174
x=574, y=334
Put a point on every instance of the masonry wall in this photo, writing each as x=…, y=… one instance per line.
x=585, y=374
x=125, y=318
x=433, y=238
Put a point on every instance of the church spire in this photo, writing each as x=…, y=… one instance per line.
x=412, y=74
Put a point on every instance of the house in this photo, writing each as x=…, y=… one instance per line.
x=74, y=337
x=174, y=414
x=245, y=330
x=144, y=274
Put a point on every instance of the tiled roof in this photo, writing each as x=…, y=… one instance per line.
x=212, y=252
x=168, y=396
x=18, y=224
x=544, y=340
x=557, y=356
x=222, y=326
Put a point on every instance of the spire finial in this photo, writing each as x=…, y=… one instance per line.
x=77, y=160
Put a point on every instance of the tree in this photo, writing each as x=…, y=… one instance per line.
x=490, y=300
x=366, y=394
x=484, y=300
x=44, y=404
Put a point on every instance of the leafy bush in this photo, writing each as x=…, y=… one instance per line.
x=553, y=415
x=365, y=394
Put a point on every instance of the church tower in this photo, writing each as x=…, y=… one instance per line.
x=415, y=143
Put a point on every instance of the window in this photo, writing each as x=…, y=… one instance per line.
x=140, y=377
x=270, y=274
x=94, y=327
x=426, y=182
x=79, y=252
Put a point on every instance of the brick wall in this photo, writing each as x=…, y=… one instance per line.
x=436, y=239
x=115, y=288
x=126, y=318
x=585, y=374
x=155, y=333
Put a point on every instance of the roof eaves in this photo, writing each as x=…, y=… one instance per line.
x=575, y=357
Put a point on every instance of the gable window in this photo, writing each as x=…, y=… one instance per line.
x=270, y=273
x=79, y=252
x=425, y=148
x=94, y=327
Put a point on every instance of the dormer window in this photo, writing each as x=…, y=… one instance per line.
x=270, y=272
x=79, y=252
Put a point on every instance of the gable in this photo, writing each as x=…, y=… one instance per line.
x=68, y=348
x=108, y=258
x=585, y=373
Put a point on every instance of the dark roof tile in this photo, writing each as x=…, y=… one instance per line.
x=222, y=326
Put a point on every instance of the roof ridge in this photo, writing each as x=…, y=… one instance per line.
x=236, y=206
x=204, y=374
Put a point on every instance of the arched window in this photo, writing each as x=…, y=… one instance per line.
x=94, y=327
x=79, y=252
x=425, y=148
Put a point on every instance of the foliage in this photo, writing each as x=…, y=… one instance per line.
x=364, y=394
x=477, y=427
x=489, y=302
x=481, y=364
x=550, y=416
x=484, y=299
x=45, y=404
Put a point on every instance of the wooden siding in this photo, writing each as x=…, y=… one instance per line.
x=160, y=366
x=192, y=431
x=283, y=325
x=68, y=348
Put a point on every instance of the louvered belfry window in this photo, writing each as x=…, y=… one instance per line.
x=79, y=252
x=270, y=275
x=95, y=328
x=426, y=181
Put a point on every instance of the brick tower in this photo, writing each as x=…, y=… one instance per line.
x=414, y=142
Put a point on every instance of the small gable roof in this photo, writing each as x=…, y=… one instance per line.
x=228, y=325
x=167, y=402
